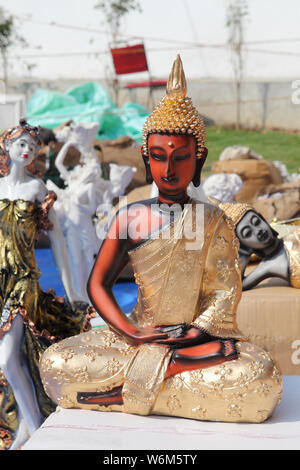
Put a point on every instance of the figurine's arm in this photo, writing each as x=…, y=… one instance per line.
x=60, y=254
x=59, y=161
x=244, y=259
x=112, y=258
x=221, y=289
x=256, y=276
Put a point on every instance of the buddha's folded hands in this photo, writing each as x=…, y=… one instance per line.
x=190, y=337
x=145, y=334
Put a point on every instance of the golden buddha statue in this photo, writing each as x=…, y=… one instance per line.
x=179, y=353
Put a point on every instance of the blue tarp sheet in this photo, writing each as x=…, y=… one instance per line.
x=88, y=102
x=125, y=292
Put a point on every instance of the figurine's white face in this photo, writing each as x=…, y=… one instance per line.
x=23, y=150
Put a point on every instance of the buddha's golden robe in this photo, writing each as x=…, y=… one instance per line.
x=292, y=245
x=200, y=287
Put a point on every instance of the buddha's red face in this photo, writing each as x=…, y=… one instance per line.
x=172, y=161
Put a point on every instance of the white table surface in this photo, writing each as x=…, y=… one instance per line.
x=68, y=429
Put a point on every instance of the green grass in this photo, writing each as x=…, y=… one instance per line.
x=272, y=145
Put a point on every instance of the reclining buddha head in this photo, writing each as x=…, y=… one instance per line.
x=173, y=146
x=255, y=234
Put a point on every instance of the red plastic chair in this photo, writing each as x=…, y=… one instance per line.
x=132, y=59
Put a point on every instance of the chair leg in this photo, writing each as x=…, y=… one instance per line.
x=116, y=91
x=132, y=95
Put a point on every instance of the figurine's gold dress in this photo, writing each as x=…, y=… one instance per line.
x=20, y=293
x=177, y=284
x=20, y=289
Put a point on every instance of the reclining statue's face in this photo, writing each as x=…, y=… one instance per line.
x=254, y=232
x=172, y=161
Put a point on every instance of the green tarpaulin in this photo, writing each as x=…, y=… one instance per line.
x=88, y=102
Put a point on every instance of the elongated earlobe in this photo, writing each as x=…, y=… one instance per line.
x=199, y=165
x=149, y=178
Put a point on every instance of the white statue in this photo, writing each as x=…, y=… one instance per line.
x=239, y=152
x=22, y=196
x=78, y=203
x=81, y=136
x=222, y=186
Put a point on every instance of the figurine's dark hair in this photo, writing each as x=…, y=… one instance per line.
x=47, y=135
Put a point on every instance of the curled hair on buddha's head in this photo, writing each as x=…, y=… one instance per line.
x=175, y=113
x=11, y=135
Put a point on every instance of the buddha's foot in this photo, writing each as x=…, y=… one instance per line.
x=229, y=350
x=202, y=356
x=112, y=397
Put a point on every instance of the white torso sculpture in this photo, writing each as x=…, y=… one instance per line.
x=85, y=191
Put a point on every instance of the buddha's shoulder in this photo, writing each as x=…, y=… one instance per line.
x=135, y=207
x=210, y=211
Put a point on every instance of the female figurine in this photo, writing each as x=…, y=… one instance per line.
x=180, y=352
x=28, y=313
x=280, y=256
x=77, y=204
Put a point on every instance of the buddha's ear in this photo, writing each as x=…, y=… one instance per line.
x=199, y=165
x=149, y=178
